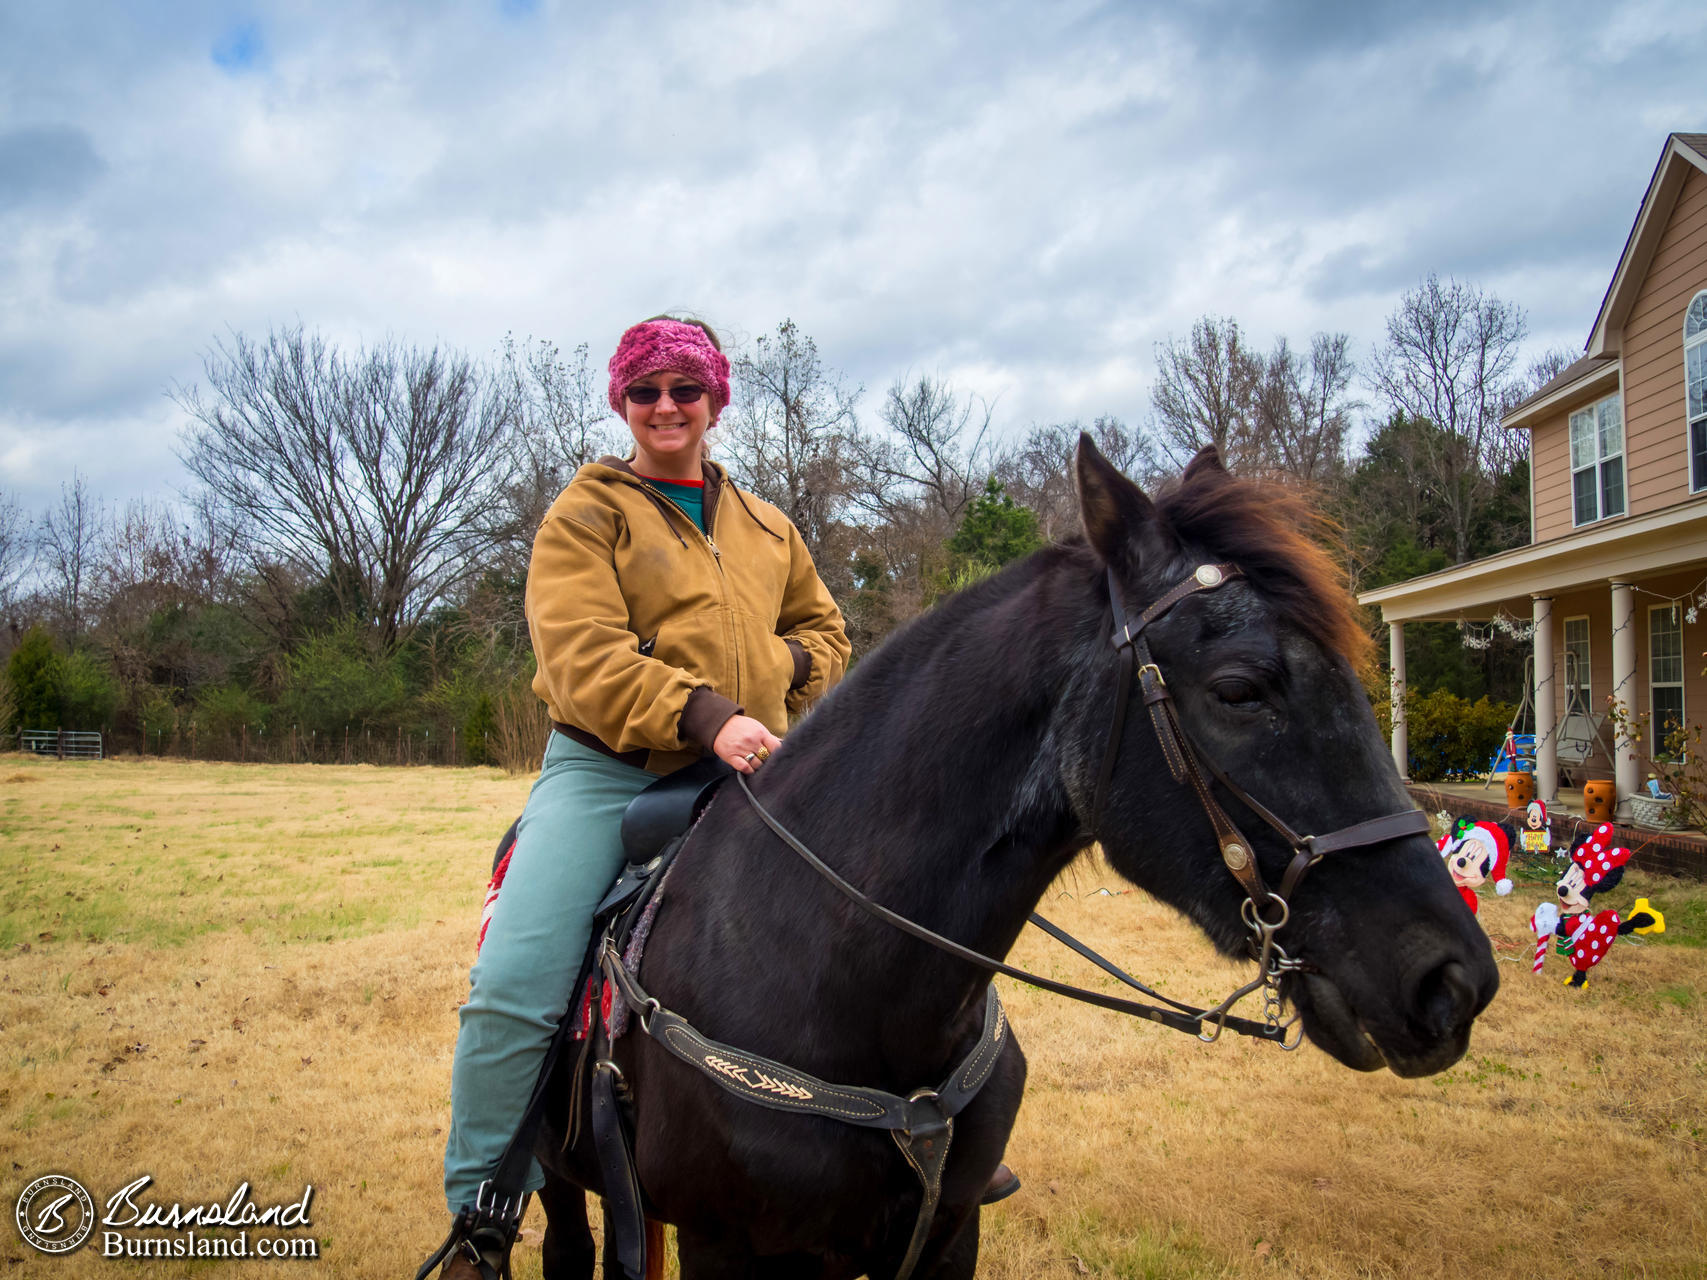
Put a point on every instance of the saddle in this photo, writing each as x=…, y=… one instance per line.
x=653, y=829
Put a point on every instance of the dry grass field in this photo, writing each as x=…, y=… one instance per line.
x=219, y=973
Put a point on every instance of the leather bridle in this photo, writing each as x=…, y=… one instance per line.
x=1264, y=911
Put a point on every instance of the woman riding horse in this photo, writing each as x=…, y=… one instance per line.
x=671, y=614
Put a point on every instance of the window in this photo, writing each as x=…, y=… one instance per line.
x=1665, y=669
x=1577, y=691
x=1597, y=460
x=1695, y=387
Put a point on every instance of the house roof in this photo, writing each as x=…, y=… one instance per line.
x=1682, y=152
x=1626, y=549
x=1579, y=374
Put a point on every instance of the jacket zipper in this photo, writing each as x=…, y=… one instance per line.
x=723, y=578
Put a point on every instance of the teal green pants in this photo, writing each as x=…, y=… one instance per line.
x=568, y=850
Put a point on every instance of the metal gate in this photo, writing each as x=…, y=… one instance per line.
x=66, y=744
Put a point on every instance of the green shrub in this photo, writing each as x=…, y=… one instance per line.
x=88, y=692
x=55, y=691
x=343, y=677
x=1450, y=738
x=224, y=709
x=477, y=730
x=157, y=714
x=33, y=670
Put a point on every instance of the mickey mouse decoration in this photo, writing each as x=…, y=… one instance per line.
x=1475, y=853
x=1537, y=838
x=1596, y=866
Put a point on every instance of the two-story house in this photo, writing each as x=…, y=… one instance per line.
x=1615, y=575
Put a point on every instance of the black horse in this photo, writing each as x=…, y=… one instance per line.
x=952, y=777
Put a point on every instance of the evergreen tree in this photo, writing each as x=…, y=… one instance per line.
x=996, y=529
x=33, y=670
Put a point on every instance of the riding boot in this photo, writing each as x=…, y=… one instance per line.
x=482, y=1255
x=1003, y=1183
x=477, y=1248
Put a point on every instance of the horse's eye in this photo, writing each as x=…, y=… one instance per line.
x=1237, y=693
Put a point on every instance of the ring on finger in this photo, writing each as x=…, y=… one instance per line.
x=763, y=753
x=751, y=756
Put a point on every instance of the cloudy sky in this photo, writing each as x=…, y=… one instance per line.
x=1023, y=198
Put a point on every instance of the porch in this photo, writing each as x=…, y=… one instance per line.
x=1615, y=614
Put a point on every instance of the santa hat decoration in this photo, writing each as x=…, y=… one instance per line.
x=1497, y=844
x=1597, y=855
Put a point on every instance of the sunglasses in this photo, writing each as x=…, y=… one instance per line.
x=684, y=394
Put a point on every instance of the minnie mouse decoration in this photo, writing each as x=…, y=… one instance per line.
x=1597, y=864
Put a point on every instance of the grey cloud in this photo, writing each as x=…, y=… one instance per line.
x=46, y=165
x=1033, y=194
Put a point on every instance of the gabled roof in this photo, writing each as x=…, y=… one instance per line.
x=1627, y=548
x=1580, y=375
x=1682, y=151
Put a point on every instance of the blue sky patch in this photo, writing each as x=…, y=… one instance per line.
x=240, y=48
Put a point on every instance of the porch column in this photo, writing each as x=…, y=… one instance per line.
x=1396, y=691
x=1624, y=768
x=1546, y=711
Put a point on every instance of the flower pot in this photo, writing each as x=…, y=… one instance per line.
x=1648, y=812
x=1600, y=798
x=1519, y=790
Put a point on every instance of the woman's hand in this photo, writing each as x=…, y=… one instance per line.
x=742, y=737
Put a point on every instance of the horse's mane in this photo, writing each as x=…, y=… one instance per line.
x=1277, y=538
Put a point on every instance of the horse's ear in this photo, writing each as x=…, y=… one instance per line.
x=1205, y=461
x=1113, y=509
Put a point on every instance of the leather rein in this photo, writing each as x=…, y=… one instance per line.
x=1263, y=911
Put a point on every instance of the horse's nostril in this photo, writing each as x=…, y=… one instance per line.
x=1445, y=999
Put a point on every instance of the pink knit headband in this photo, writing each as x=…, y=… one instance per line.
x=657, y=346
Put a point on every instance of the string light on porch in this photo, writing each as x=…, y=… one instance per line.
x=1693, y=601
x=1480, y=636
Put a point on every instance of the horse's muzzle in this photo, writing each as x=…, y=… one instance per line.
x=1414, y=1019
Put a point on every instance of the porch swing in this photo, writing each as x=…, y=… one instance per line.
x=1518, y=749
x=1580, y=729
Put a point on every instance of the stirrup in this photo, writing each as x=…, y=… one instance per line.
x=496, y=1228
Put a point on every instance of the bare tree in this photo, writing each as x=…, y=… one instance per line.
x=561, y=414
x=380, y=471
x=788, y=433
x=17, y=556
x=70, y=538
x=1039, y=473
x=1206, y=393
x=1542, y=370
x=937, y=450
x=136, y=568
x=210, y=550
x=1304, y=409
x=1448, y=359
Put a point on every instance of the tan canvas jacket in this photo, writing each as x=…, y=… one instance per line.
x=649, y=634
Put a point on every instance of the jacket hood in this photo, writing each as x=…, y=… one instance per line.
x=612, y=469
x=711, y=472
